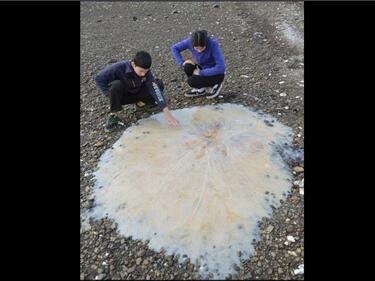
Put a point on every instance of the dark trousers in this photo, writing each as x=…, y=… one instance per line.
x=197, y=81
x=119, y=95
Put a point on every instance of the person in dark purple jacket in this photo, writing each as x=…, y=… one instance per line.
x=131, y=82
x=207, y=74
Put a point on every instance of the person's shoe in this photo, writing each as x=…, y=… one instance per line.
x=140, y=106
x=208, y=90
x=112, y=122
x=215, y=91
x=196, y=92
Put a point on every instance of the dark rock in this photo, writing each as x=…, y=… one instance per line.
x=236, y=267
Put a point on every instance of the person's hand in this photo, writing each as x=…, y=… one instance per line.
x=173, y=122
x=187, y=61
x=196, y=71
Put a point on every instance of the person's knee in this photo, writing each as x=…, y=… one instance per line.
x=189, y=68
x=160, y=84
x=116, y=87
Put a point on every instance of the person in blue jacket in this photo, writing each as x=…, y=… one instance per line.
x=206, y=75
x=131, y=82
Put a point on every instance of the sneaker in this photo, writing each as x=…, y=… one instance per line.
x=140, y=104
x=215, y=91
x=112, y=122
x=196, y=92
x=208, y=90
x=140, y=107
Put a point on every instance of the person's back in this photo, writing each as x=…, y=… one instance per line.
x=122, y=71
x=211, y=58
x=132, y=82
x=209, y=69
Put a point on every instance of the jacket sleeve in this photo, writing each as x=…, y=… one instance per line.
x=219, y=67
x=178, y=48
x=156, y=92
x=106, y=76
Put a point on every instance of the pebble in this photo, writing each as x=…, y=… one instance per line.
x=298, y=169
x=269, y=228
x=258, y=34
x=300, y=183
x=236, y=267
x=292, y=253
x=100, y=276
x=99, y=143
x=299, y=270
x=290, y=238
x=141, y=253
x=290, y=228
x=247, y=275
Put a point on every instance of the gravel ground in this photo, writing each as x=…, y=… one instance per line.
x=263, y=47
